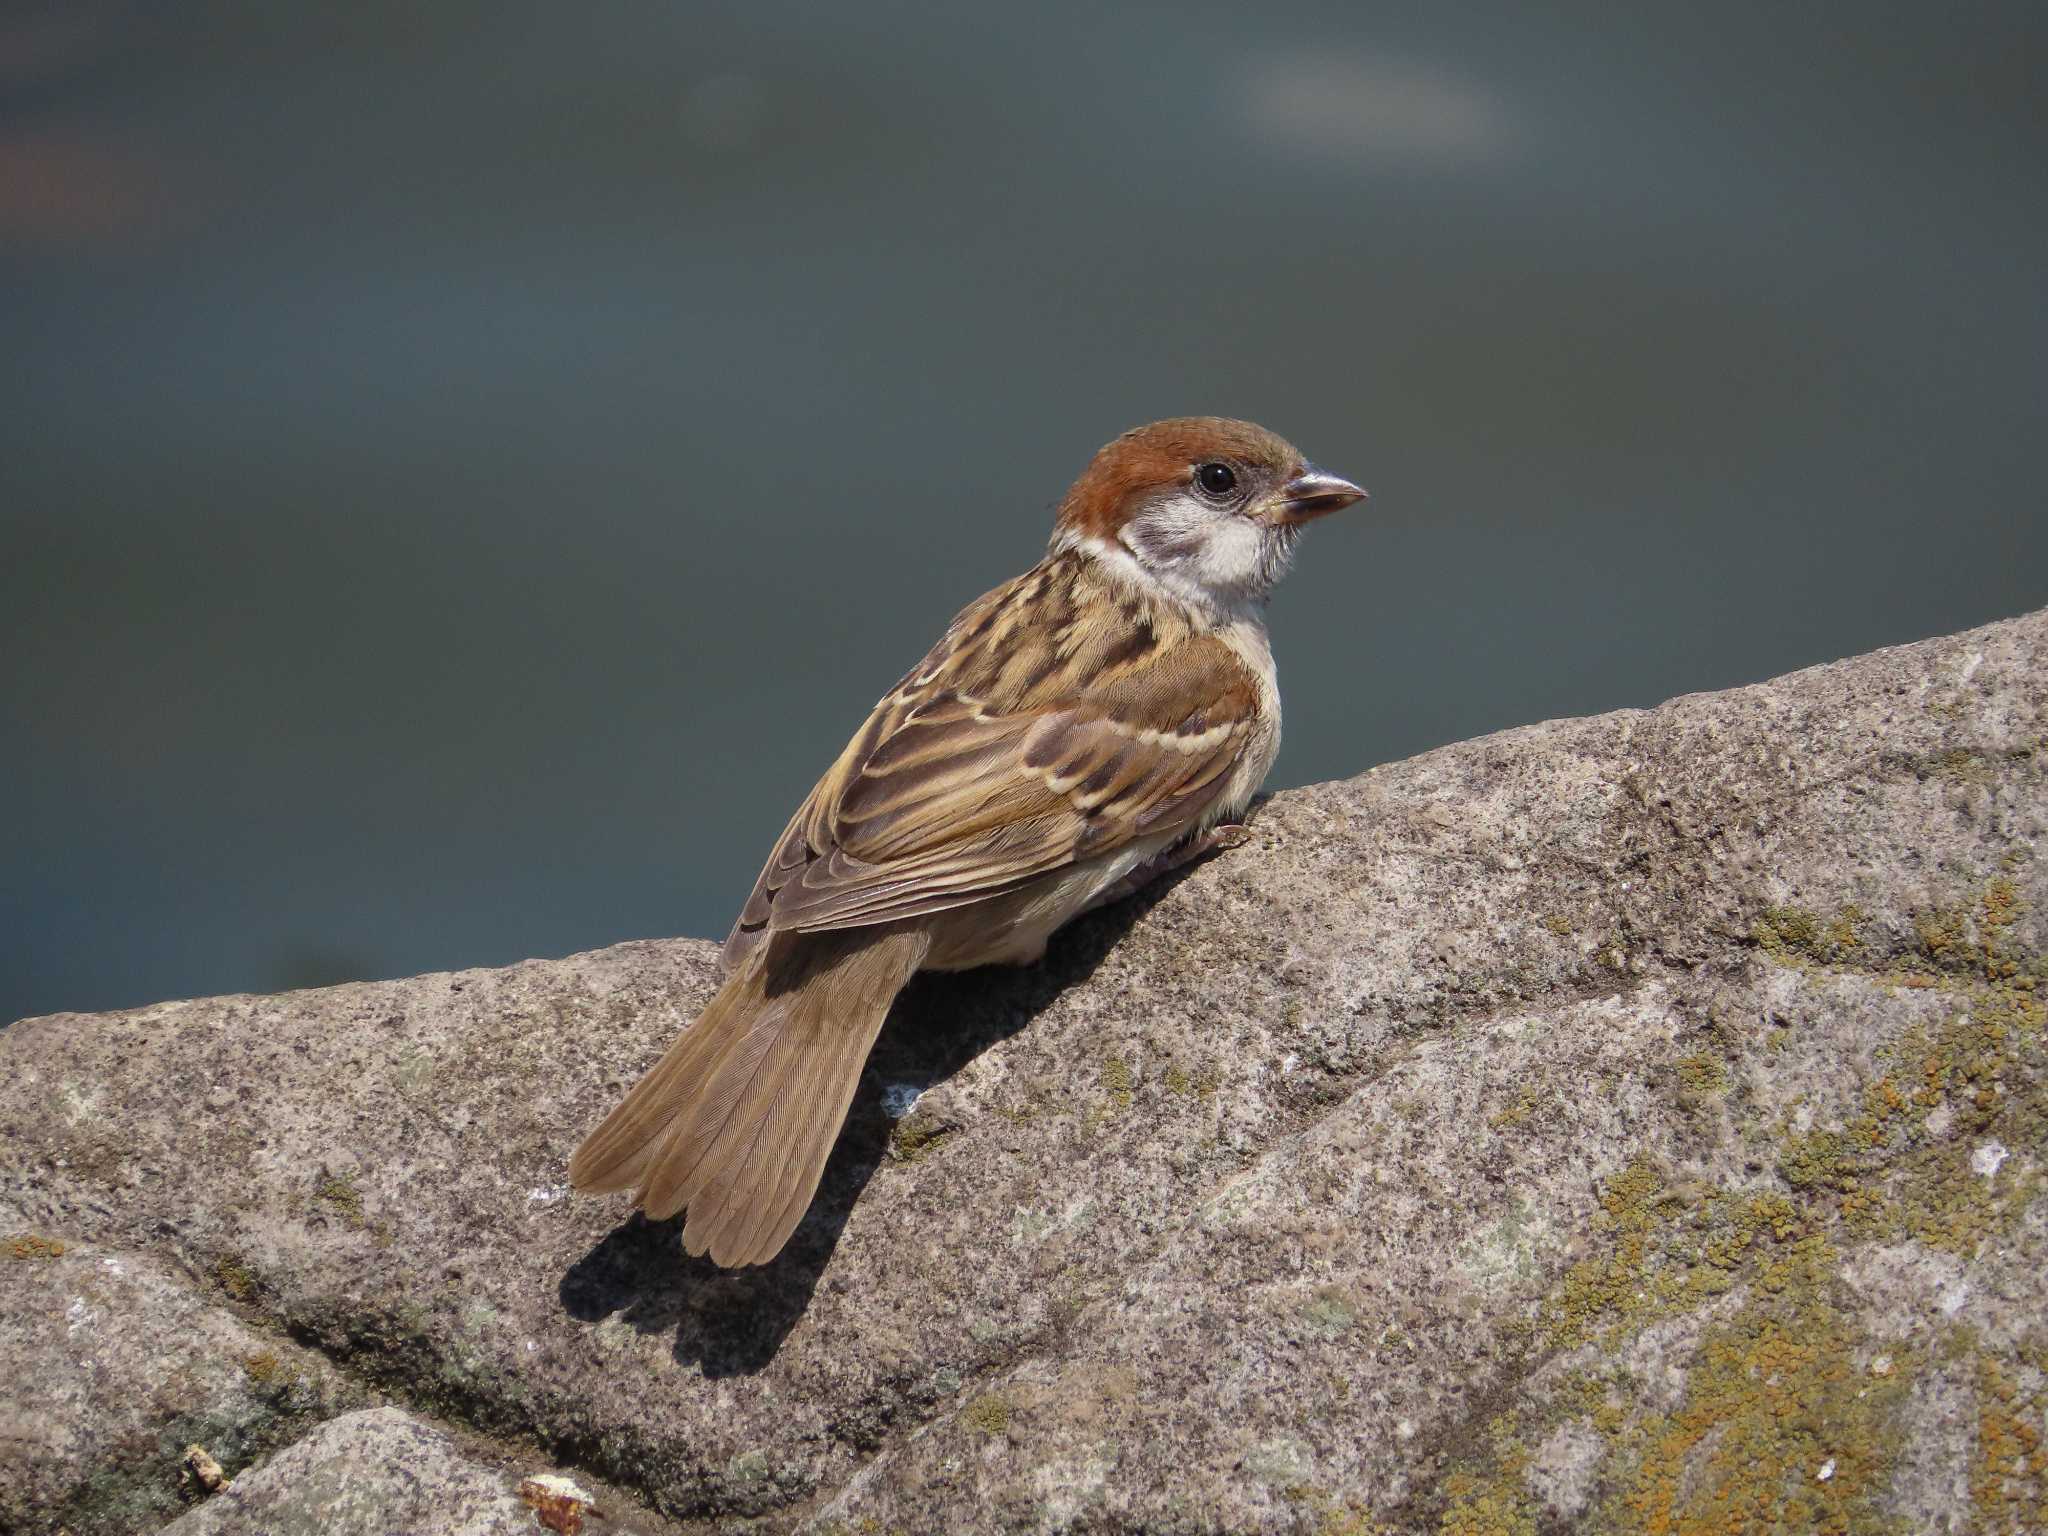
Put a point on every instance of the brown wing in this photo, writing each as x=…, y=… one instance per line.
x=1044, y=728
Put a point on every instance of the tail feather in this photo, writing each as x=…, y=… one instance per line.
x=616, y=1155
x=737, y=1120
x=706, y=1115
x=767, y=1187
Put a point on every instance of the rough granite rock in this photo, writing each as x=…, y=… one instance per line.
x=114, y=1366
x=371, y=1473
x=1631, y=1123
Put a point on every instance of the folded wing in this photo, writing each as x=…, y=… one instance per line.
x=1017, y=747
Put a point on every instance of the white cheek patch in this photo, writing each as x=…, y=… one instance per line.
x=1234, y=554
x=1206, y=553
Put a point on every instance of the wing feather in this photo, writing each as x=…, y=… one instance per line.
x=1051, y=724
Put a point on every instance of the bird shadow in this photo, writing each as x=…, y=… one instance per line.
x=731, y=1322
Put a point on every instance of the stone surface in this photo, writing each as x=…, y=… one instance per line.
x=114, y=1365
x=1586, y=1123
x=366, y=1474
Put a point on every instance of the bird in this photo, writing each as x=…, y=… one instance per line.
x=1079, y=731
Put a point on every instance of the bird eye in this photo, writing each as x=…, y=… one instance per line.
x=1216, y=479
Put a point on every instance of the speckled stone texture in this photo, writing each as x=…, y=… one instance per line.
x=114, y=1364
x=373, y=1473
x=1622, y=1124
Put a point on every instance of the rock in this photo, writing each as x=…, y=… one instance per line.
x=115, y=1365
x=1585, y=1122
x=366, y=1474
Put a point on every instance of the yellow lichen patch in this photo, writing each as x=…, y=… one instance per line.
x=1334, y=1516
x=1198, y=1082
x=1975, y=938
x=338, y=1192
x=1844, y=936
x=1117, y=1081
x=988, y=1414
x=917, y=1134
x=33, y=1245
x=1668, y=1255
x=1943, y=935
x=1963, y=766
x=263, y=1367
x=1779, y=1430
x=1492, y=1500
x=1523, y=1109
x=1024, y=1110
x=2009, y=1478
x=1793, y=934
x=1497, y=1506
x=2001, y=902
x=1818, y=1160
x=1119, y=1088
x=1985, y=1070
x=1702, y=1078
x=1612, y=1285
x=234, y=1277
x=1702, y=1072
x=1773, y=1393
x=1783, y=930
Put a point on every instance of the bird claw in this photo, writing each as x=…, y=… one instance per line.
x=1231, y=834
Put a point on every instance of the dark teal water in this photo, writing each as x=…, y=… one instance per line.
x=465, y=469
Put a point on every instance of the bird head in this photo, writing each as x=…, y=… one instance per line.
x=1203, y=508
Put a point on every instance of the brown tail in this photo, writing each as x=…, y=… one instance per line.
x=736, y=1121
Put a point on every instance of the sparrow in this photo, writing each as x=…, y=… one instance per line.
x=1101, y=719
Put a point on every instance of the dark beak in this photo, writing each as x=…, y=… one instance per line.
x=1315, y=493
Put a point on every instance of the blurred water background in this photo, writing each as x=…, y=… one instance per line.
x=466, y=468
